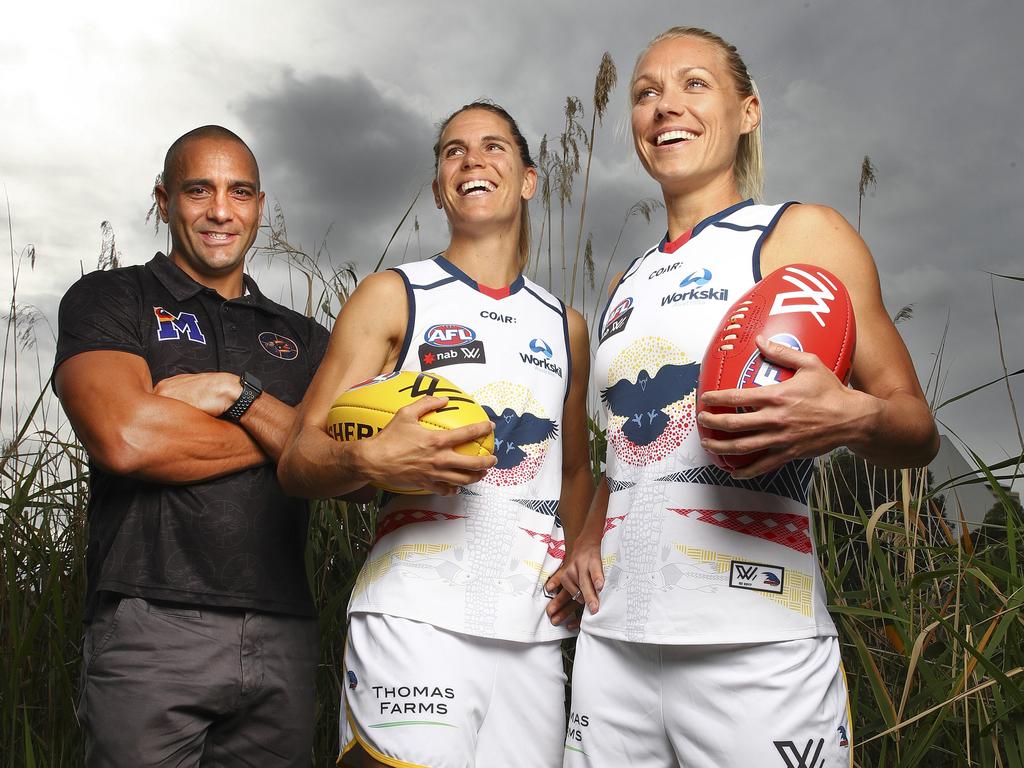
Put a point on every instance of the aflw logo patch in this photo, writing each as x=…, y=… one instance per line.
x=170, y=326
x=757, y=576
x=801, y=758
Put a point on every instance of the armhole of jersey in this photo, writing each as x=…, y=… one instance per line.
x=611, y=296
x=410, y=321
x=755, y=263
x=568, y=350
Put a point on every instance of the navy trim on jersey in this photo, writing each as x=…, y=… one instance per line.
x=458, y=274
x=410, y=322
x=633, y=265
x=704, y=224
x=739, y=227
x=568, y=350
x=428, y=286
x=755, y=265
x=558, y=309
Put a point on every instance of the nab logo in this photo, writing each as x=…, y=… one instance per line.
x=801, y=758
x=170, y=326
x=540, y=347
x=449, y=335
x=697, y=278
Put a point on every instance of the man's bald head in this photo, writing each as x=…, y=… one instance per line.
x=172, y=158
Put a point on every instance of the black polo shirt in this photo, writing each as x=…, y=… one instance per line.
x=237, y=541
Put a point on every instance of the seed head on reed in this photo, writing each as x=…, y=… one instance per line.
x=606, y=79
x=110, y=254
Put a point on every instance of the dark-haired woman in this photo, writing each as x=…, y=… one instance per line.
x=450, y=658
x=706, y=642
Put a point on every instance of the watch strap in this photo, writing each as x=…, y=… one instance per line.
x=251, y=389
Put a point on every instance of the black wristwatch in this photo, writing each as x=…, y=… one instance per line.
x=251, y=389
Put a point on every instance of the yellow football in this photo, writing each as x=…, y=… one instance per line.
x=365, y=409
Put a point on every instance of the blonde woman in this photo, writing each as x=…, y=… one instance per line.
x=706, y=641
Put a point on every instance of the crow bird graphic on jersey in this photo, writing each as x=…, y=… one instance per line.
x=641, y=403
x=512, y=431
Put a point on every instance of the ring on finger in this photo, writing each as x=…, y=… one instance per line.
x=576, y=597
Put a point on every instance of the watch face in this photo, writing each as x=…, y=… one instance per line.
x=252, y=381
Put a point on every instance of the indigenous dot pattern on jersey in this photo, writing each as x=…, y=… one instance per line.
x=650, y=398
x=522, y=431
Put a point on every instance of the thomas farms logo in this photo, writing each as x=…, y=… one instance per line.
x=450, y=344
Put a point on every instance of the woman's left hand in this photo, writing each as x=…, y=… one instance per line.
x=804, y=416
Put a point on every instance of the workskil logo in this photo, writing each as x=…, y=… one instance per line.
x=540, y=355
x=697, y=293
x=450, y=344
x=703, y=277
x=540, y=347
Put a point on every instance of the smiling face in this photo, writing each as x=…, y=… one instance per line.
x=688, y=116
x=482, y=182
x=212, y=207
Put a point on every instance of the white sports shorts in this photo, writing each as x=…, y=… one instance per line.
x=770, y=705
x=421, y=696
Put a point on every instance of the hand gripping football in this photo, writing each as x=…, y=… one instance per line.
x=801, y=306
x=365, y=409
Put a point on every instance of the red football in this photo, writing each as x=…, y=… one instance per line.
x=801, y=306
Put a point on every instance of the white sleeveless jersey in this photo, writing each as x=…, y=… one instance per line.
x=691, y=555
x=477, y=562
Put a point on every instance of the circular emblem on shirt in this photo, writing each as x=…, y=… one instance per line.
x=279, y=346
x=650, y=400
x=522, y=432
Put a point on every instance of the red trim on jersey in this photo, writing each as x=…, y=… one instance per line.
x=494, y=293
x=678, y=243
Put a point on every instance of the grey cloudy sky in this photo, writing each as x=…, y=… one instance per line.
x=339, y=101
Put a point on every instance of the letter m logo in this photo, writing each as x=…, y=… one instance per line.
x=170, y=326
x=805, y=758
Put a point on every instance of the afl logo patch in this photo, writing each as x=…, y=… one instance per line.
x=279, y=346
x=449, y=335
x=617, y=318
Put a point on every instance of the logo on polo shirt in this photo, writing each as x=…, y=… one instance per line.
x=279, y=346
x=170, y=326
